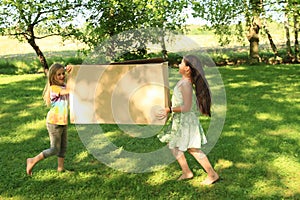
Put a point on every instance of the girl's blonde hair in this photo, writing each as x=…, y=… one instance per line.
x=51, y=81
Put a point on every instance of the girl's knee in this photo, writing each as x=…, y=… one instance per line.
x=50, y=152
x=61, y=154
x=194, y=150
x=62, y=151
x=197, y=153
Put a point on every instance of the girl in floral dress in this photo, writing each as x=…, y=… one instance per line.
x=186, y=132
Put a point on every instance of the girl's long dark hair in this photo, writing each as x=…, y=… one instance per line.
x=201, y=85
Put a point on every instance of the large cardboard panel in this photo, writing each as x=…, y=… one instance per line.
x=118, y=93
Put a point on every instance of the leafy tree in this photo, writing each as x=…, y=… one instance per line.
x=287, y=31
x=22, y=19
x=254, y=25
x=224, y=17
x=295, y=8
x=108, y=18
x=166, y=15
x=228, y=17
x=288, y=10
x=31, y=20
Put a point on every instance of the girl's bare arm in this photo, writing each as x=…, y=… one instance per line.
x=187, y=92
x=67, y=89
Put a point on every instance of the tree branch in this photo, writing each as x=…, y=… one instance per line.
x=35, y=37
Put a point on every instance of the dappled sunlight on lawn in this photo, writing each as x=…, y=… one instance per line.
x=81, y=156
x=262, y=129
x=290, y=176
x=277, y=181
x=159, y=177
x=268, y=116
x=247, y=84
x=257, y=154
x=26, y=131
x=243, y=165
x=223, y=164
x=286, y=131
x=265, y=187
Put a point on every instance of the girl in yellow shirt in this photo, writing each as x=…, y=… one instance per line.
x=56, y=95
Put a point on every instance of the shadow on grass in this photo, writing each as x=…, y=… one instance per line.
x=257, y=154
x=261, y=129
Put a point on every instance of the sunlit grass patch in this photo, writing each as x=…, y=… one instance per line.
x=268, y=116
x=284, y=130
x=81, y=156
x=282, y=179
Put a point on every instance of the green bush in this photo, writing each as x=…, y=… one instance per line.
x=65, y=61
x=28, y=65
x=174, y=59
x=7, y=68
x=19, y=66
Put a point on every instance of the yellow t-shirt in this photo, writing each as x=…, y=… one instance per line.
x=58, y=113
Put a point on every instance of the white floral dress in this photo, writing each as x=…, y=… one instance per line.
x=186, y=131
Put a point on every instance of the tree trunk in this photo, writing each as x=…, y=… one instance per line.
x=163, y=46
x=31, y=40
x=253, y=38
x=40, y=54
x=288, y=40
x=287, y=35
x=296, y=30
x=273, y=46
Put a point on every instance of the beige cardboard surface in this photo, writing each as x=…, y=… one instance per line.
x=118, y=93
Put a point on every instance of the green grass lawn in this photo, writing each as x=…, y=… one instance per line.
x=257, y=154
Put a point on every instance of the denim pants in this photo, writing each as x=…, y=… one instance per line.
x=58, y=140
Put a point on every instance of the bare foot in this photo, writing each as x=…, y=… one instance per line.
x=185, y=177
x=211, y=179
x=29, y=166
x=60, y=169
